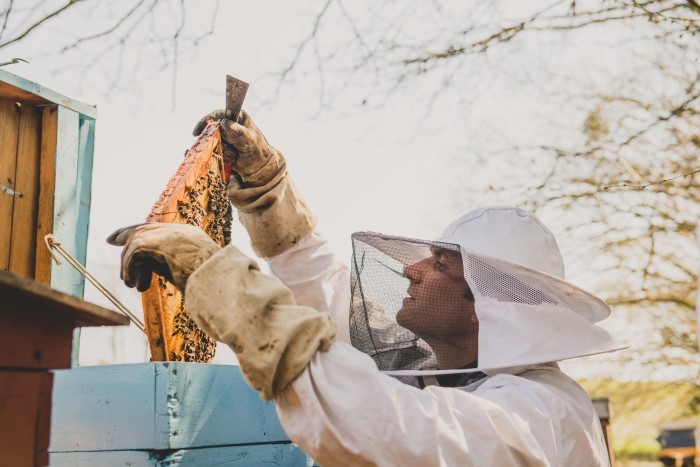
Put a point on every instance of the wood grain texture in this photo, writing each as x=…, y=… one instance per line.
x=158, y=406
x=65, y=211
x=15, y=290
x=37, y=323
x=65, y=148
x=9, y=125
x=104, y=407
x=43, y=421
x=25, y=402
x=86, y=143
x=34, y=339
x=47, y=183
x=194, y=195
x=24, y=214
x=211, y=405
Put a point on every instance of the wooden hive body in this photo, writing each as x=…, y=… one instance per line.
x=195, y=195
x=46, y=150
x=36, y=336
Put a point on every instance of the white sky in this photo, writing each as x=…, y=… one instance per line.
x=357, y=172
x=388, y=168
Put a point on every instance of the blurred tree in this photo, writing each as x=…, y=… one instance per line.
x=160, y=32
x=611, y=148
x=613, y=152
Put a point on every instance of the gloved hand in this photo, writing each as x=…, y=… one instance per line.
x=245, y=147
x=173, y=251
x=255, y=314
x=268, y=204
x=230, y=299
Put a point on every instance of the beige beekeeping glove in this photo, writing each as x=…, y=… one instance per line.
x=230, y=299
x=269, y=206
x=173, y=251
x=256, y=315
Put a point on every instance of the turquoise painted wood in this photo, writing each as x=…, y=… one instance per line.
x=94, y=408
x=48, y=95
x=74, y=161
x=252, y=455
x=72, y=194
x=158, y=406
x=66, y=201
x=86, y=145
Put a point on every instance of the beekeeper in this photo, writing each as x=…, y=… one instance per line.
x=421, y=353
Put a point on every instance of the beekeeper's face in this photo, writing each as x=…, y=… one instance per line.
x=439, y=304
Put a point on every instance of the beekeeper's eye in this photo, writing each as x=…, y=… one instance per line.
x=438, y=266
x=444, y=260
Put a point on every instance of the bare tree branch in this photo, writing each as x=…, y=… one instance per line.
x=646, y=185
x=7, y=17
x=107, y=31
x=39, y=23
x=176, y=38
x=295, y=59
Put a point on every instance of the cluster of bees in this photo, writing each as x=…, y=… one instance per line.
x=195, y=345
x=207, y=206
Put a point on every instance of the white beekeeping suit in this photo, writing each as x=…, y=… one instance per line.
x=445, y=350
x=526, y=412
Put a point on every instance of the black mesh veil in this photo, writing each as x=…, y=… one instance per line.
x=439, y=308
x=379, y=287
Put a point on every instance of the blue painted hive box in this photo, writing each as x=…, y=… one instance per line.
x=164, y=413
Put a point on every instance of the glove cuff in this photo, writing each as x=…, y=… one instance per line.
x=255, y=314
x=263, y=175
x=275, y=215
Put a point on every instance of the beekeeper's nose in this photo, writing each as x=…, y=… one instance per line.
x=414, y=271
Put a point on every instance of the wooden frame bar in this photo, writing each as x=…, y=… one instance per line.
x=194, y=195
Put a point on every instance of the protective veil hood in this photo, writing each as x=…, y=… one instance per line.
x=527, y=313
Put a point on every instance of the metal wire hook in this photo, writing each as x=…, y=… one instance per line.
x=13, y=61
x=53, y=243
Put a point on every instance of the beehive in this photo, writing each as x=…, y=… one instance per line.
x=46, y=148
x=165, y=414
x=46, y=143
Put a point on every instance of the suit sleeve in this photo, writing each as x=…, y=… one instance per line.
x=317, y=279
x=342, y=411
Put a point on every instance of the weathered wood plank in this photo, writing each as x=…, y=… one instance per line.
x=158, y=406
x=211, y=405
x=65, y=210
x=27, y=293
x=86, y=141
x=104, y=407
x=43, y=421
x=47, y=182
x=25, y=403
x=102, y=458
x=15, y=88
x=248, y=456
x=34, y=338
x=24, y=214
x=38, y=323
x=9, y=124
